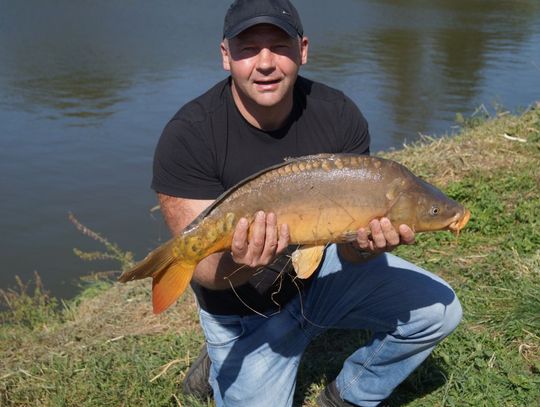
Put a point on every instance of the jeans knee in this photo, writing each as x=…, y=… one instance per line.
x=445, y=318
x=434, y=322
x=451, y=317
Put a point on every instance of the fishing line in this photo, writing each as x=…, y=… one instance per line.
x=302, y=309
x=235, y=271
x=259, y=270
x=237, y=295
x=302, y=303
x=280, y=275
x=276, y=292
x=285, y=266
x=243, y=302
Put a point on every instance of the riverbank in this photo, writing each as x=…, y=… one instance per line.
x=106, y=348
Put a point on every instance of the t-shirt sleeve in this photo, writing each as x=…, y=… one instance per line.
x=354, y=129
x=184, y=164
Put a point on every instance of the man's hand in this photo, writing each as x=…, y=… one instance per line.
x=263, y=244
x=384, y=237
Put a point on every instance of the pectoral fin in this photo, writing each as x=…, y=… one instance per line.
x=306, y=259
x=394, y=189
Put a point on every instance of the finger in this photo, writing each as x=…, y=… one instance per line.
x=406, y=234
x=377, y=235
x=362, y=239
x=284, y=238
x=239, y=243
x=257, y=237
x=271, y=240
x=390, y=233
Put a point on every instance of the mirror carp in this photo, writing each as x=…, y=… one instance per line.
x=322, y=198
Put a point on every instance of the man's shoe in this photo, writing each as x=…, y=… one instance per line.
x=329, y=397
x=196, y=380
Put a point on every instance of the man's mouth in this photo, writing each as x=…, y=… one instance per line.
x=267, y=81
x=267, y=84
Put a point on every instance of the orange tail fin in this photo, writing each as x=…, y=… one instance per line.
x=170, y=276
x=154, y=263
x=169, y=285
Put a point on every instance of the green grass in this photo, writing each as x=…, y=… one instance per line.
x=105, y=348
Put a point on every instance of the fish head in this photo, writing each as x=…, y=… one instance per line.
x=425, y=208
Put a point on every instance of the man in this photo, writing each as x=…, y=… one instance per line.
x=256, y=318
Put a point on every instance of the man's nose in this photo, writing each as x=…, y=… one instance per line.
x=266, y=60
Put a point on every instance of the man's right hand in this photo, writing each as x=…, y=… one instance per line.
x=263, y=244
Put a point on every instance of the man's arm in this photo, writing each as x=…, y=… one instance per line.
x=219, y=270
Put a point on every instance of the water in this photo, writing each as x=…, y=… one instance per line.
x=86, y=88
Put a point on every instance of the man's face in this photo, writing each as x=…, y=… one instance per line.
x=264, y=63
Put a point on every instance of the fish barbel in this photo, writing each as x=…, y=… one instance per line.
x=322, y=198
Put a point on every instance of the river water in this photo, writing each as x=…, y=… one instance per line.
x=86, y=88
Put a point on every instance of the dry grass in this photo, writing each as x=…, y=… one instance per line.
x=126, y=310
x=486, y=148
x=113, y=314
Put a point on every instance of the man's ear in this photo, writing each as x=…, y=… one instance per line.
x=304, y=45
x=224, y=47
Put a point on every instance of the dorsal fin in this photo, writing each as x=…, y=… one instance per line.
x=308, y=157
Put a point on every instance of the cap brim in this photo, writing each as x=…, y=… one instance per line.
x=244, y=25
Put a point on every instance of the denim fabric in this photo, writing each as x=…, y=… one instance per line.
x=409, y=310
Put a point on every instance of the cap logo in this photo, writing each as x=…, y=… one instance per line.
x=285, y=12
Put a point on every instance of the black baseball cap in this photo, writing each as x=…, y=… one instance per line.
x=243, y=14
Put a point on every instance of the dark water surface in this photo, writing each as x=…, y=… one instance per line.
x=86, y=88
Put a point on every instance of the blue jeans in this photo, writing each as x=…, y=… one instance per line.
x=408, y=310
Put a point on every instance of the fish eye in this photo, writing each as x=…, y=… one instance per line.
x=434, y=210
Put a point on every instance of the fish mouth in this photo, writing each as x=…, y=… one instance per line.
x=459, y=221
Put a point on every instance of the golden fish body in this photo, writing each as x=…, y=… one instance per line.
x=323, y=199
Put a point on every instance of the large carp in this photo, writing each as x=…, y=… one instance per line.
x=322, y=198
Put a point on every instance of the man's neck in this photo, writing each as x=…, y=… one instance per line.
x=266, y=118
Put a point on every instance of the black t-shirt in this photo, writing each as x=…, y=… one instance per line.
x=208, y=147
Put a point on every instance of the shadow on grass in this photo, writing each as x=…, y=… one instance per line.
x=324, y=358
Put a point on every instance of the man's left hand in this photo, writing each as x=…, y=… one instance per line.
x=383, y=237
